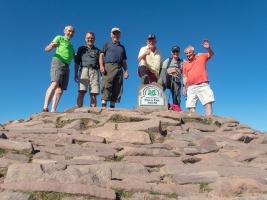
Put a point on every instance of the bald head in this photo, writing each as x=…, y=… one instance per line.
x=189, y=48
x=189, y=52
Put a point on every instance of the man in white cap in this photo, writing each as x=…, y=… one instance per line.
x=112, y=62
x=150, y=61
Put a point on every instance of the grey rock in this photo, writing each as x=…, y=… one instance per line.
x=201, y=126
x=24, y=172
x=81, y=189
x=207, y=145
x=24, y=147
x=130, y=151
x=194, y=178
x=8, y=195
x=77, y=125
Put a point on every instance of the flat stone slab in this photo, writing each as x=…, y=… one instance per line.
x=136, y=137
x=25, y=147
x=130, y=151
x=8, y=195
x=194, y=178
x=33, y=186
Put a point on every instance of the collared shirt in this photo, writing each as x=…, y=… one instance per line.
x=114, y=53
x=152, y=61
x=65, y=50
x=87, y=57
x=195, y=70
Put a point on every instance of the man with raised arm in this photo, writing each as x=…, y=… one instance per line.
x=59, y=71
x=195, y=79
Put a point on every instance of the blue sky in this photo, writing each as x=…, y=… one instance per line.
x=236, y=29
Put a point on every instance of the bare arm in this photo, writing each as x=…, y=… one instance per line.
x=184, y=85
x=51, y=46
x=101, y=63
x=125, y=67
x=206, y=45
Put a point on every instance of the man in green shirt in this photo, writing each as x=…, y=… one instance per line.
x=59, y=71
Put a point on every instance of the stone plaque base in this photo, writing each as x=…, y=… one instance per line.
x=152, y=96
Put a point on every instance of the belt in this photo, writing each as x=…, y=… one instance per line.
x=91, y=65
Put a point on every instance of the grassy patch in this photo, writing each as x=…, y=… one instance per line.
x=3, y=172
x=168, y=195
x=121, y=193
x=204, y=187
x=47, y=196
x=115, y=158
x=191, y=144
x=61, y=123
x=117, y=118
x=2, y=152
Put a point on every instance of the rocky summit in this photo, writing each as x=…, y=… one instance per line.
x=95, y=153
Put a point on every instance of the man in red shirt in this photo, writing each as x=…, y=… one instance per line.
x=195, y=82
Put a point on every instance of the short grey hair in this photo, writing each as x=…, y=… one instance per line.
x=68, y=26
x=189, y=47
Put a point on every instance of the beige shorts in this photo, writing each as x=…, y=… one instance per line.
x=202, y=92
x=89, y=78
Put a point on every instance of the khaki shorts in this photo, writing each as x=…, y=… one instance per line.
x=59, y=73
x=89, y=78
x=202, y=92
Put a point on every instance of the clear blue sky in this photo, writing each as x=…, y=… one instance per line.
x=237, y=31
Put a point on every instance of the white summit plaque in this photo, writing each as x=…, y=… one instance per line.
x=152, y=96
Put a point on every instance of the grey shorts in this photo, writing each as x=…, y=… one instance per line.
x=89, y=78
x=59, y=73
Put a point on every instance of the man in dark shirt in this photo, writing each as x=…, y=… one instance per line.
x=87, y=59
x=112, y=59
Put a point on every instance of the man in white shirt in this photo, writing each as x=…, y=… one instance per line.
x=150, y=60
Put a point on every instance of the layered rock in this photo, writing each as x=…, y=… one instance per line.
x=131, y=154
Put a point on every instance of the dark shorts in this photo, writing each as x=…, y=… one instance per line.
x=59, y=73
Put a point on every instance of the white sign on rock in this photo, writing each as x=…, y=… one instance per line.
x=151, y=96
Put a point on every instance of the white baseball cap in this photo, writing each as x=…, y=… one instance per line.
x=115, y=29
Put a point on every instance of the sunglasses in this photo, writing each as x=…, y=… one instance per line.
x=116, y=33
x=175, y=51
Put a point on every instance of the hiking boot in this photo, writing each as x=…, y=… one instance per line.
x=45, y=110
x=145, y=79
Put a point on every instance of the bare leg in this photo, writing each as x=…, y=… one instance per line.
x=104, y=103
x=57, y=95
x=80, y=98
x=192, y=110
x=93, y=100
x=49, y=94
x=208, y=107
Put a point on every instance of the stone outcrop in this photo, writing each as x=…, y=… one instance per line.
x=94, y=153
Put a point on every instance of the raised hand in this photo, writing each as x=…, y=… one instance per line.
x=206, y=44
x=126, y=74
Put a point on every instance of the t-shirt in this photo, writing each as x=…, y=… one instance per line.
x=153, y=60
x=65, y=50
x=87, y=57
x=195, y=70
x=114, y=53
